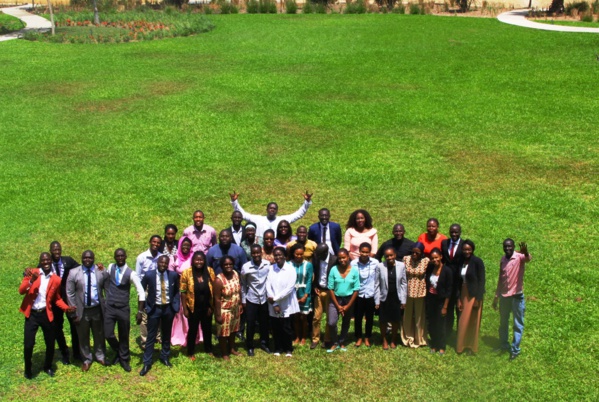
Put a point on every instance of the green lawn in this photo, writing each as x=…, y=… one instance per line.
x=464, y=119
x=8, y=23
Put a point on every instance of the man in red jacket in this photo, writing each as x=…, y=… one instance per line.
x=41, y=288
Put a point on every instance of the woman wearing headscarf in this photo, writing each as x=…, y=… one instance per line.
x=413, y=331
x=360, y=230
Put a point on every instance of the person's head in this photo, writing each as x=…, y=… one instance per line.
x=87, y=258
x=324, y=216
x=297, y=253
x=436, y=257
x=46, y=262
x=390, y=256
x=170, y=232
x=55, y=250
x=227, y=263
x=417, y=251
x=279, y=256
x=250, y=232
x=162, y=263
x=256, y=253
x=343, y=257
x=236, y=218
x=455, y=231
x=225, y=238
x=508, y=247
x=360, y=219
x=468, y=249
x=271, y=211
x=120, y=256
x=198, y=219
x=269, y=238
x=185, y=245
x=364, y=249
x=284, y=230
x=302, y=234
x=155, y=242
x=398, y=231
x=198, y=260
x=322, y=251
x=432, y=227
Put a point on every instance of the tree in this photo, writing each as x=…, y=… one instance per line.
x=557, y=7
x=96, y=13
x=52, y=29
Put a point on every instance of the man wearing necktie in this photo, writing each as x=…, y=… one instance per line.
x=325, y=231
x=453, y=258
x=162, y=303
x=84, y=291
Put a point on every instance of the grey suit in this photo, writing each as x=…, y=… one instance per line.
x=87, y=318
x=381, y=285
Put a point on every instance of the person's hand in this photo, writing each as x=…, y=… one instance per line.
x=271, y=300
x=219, y=319
x=476, y=304
x=494, y=305
x=403, y=307
x=138, y=318
x=234, y=196
x=443, y=311
x=303, y=299
x=77, y=319
x=34, y=274
x=377, y=306
x=341, y=310
x=460, y=306
x=523, y=248
x=28, y=272
x=307, y=196
x=186, y=311
x=100, y=266
x=209, y=312
x=241, y=309
x=277, y=310
x=317, y=291
x=71, y=309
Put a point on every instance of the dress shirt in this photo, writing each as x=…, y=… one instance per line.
x=145, y=262
x=511, y=274
x=237, y=234
x=280, y=285
x=159, y=278
x=141, y=293
x=368, y=272
x=453, y=245
x=216, y=253
x=94, y=286
x=263, y=223
x=327, y=237
x=324, y=265
x=253, y=282
x=40, y=300
x=341, y=286
x=201, y=240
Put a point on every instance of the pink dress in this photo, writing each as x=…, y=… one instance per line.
x=353, y=239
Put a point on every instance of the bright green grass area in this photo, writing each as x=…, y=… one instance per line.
x=468, y=120
x=8, y=23
x=570, y=23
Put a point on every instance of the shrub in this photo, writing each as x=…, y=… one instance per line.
x=227, y=8
x=400, y=9
x=267, y=6
x=321, y=8
x=586, y=17
x=414, y=8
x=252, y=7
x=357, y=7
x=308, y=7
x=290, y=7
x=581, y=7
x=595, y=7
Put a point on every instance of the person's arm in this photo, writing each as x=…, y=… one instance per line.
x=447, y=285
x=356, y=289
x=347, y=240
x=331, y=286
x=403, y=285
x=27, y=282
x=71, y=287
x=309, y=274
x=288, y=288
x=237, y=207
x=496, y=298
x=218, y=288
x=299, y=214
x=377, y=286
x=375, y=243
x=380, y=252
x=524, y=250
x=481, y=275
x=354, y=296
x=139, y=267
x=141, y=294
x=241, y=307
x=183, y=288
x=243, y=280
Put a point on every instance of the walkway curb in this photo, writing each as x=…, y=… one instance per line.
x=32, y=22
x=518, y=18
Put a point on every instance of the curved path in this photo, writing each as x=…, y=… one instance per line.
x=518, y=17
x=32, y=22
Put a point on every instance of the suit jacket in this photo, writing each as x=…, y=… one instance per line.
x=52, y=295
x=68, y=263
x=149, y=284
x=381, y=283
x=316, y=270
x=454, y=264
x=444, y=283
x=242, y=234
x=475, y=278
x=315, y=235
x=76, y=288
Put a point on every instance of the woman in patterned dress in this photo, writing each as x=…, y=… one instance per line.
x=227, y=304
x=303, y=286
x=413, y=331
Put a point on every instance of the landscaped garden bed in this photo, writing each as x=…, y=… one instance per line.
x=9, y=24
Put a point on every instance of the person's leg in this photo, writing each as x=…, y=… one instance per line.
x=359, y=310
x=263, y=319
x=518, y=308
x=223, y=342
x=124, y=324
x=143, y=329
x=206, y=322
x=303, y=328
x=296, y=324
x=166, y=325
x=193, y=322
x=332, y=319
x=319, y=307
x=420, y=322
x=58, y=324
x=287, y=332
x=505, y=308
x=74, y=338
x=251, y=313
x=432, y=314
x=383, y=329
x=49, y=339
x=407, y=328
x=97, y=326
x=394, y=330
x=232, y=347
x=369, y=314
x=83, y=328
x=277, y=333
x=110, y=318
x=345, y=324
x=152, y=322
x=31, y=326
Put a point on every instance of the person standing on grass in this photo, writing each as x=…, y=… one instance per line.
x=169, y=243
x=322, y=262
x=282, y=302
x=162, y=302
x=360, y=230
x=145, y=263
x=510, y=295
x=325, y=231
x=284, y=234
x=250, y=240
x=224, y=247
x=303, y=291
x=390, y=295
x=254, y=298
x=369, y=273
x=453, y=258
x=202, y=236
x=236, y=228
x=271, y=220
x=438, y=291
x=413, y=330
x=269, y=246
x=344, y=285
x=117, y=287
x=302, y=238
x=227, y=306
x=431, y=238
x=400, y=244
x=41, y=288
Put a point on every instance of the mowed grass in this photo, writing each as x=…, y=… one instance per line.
x=8, y=23
x=464, y=119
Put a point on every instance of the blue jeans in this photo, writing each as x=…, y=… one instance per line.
x=515, y=305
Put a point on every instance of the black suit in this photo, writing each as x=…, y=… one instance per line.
x=454, y=264
x=233, y=237
x=434, y=305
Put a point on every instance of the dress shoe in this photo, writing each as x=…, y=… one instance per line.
x=125, y=365
x=49, y=371
x=115, y=360
x=265, y=348
x=65, y=360
x=240, y=336
x=145, y=369
x=28, y=375
x=165, y=361
x=85, y=366
x=513, y=356
x=77, y=356
x=313, y=345
x=251, y=352
x=103, y=363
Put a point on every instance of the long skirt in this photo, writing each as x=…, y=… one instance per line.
x=469, y=323
x=413, y=330
x=180, y=328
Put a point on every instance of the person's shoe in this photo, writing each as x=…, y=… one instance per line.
x=265, y=348
x=240, y=336
x=367, y=342
x=145, y=369
x=513, y=356
x=77, y=356
x=288, y=355
x=114, y=361
x=125, y=365
x=165, y=361
x=276, y=354
x=192, y=358
x=103, y=363
x=251, y=352
x=65, y=359
x=85, y=366
x=499, y=351
x=313, y=345
x=49, y=371
x=28, y=375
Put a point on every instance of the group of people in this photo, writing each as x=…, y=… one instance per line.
x=260, y=277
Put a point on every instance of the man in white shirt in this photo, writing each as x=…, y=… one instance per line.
x=145, y=263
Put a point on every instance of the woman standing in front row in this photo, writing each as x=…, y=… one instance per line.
x=227, y=306
x=303, y=286
x=438, y=290
x=471, y=289
x=391, y=293
x=413, y=331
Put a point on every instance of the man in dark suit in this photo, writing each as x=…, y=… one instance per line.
x=326, y=232
x=162, y=303
x=237, y=229
x=454, y=259
x=84, y=291
x=322, y=262
x=41, y=288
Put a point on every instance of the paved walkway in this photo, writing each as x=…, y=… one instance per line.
x=31, y=21
x=518, y=17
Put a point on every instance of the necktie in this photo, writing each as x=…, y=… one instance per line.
x=89, y=287
x=162, y=289
x=324, y=234
x=57, y=269
x=451, y=251
x=117, y=276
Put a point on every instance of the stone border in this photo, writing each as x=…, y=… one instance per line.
x=518, y=18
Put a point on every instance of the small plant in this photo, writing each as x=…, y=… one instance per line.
x=595, y=7
x=227, y=8
x=308, y=7
x=586, y=17
x=252, y=7
x=399, y=9
x=290, y=7
x=414, y=9
x=357, y=7
x=321, y=8
x=581, y=7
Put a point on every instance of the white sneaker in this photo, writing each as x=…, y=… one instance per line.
x=288, y=355
x=276, y=354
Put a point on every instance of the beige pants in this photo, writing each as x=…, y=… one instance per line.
x=321, y=301
x=413, y=330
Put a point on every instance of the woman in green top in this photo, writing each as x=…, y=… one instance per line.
x=303, y=288
x=344, y=284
